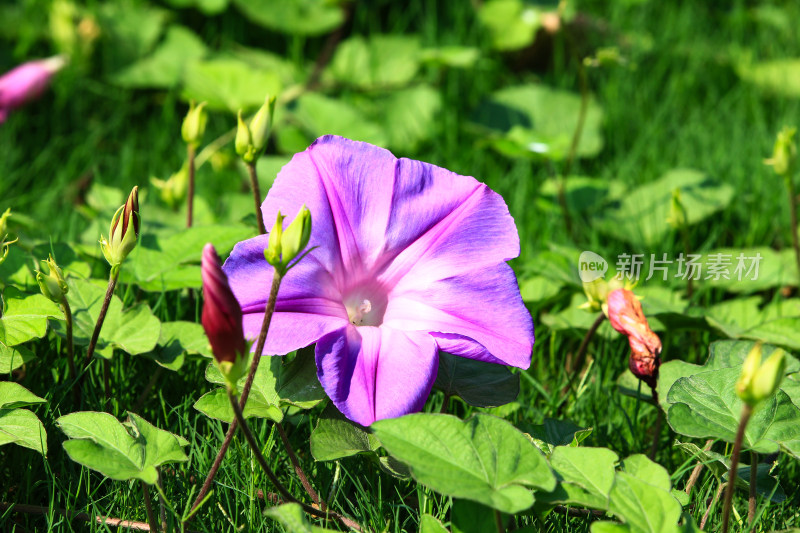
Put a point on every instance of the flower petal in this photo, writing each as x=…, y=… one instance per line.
x=371, y=373
x=444, y=224
x=347, y=187
x=483, y=306
x=308, y=305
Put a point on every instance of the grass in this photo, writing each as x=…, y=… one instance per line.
x=680, y=104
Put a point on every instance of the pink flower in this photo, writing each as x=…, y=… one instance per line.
x=26, y=82
x=222, y=316
x=626, y=316
x=406, y=259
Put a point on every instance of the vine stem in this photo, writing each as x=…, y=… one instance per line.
x=751, y=503
x=580, y=357
x=298, y=469
x=695, y=475
x=148, y=506
x=112, y=282
x=262, y=337
x=283, y=491
x=498, y=521
x=73, y=373
x=793, y=219
x=747, y=410
x=251, y=171
x=190, y=153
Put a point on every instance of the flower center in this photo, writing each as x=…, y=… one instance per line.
x=366, y=305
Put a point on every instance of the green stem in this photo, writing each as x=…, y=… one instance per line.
x=251, y=171
x=580, y=357
x=148, y=506
x=73, y=373
x=498, y=521
x=793, y=218
x=190, y=153
x=112, y=282
x=747, y=410
x=751, y=503
x=273, y=296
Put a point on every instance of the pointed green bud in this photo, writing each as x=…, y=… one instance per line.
x=244, y=141
x=194, y=124
x=51, y=280
x=273, y=252
x=296, y=236
x=123, y=232
x=784, y=154
x=677, y=212
x=173, y=190
x=262, y=124
x=4, y=224
x=4, y=244
x=758, y=381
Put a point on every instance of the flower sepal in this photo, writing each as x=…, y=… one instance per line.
x=51, y=280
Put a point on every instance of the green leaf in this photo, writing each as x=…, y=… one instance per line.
x=319, y=115
x=451, y=56
x=476, y=382
x=585, y=476
x=276, y=383
x=122, y=452
x=642, y=499
x=228, y=84
x=180, y=338
x=554, y=433
x=535, y=121
x=25, y=316
x=470, y=517
x=429, y=524
x=409, y=116
x=775, y=269
x=130, y=30
x=512, y=24
x=22, y=427
x=291, y=517
x=294, y=17
x=13, y=395
x=381, y=61
x=208, y=7
x=336, y=437
x=706, y=405
x=778, y=76
x=164, y=68
x=169, y=263
x=134, y=330
x=13, y=358
x=484, y=458
x=641, y=215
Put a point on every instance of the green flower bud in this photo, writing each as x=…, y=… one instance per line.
x=51, y=280
x=244, y=141
x=758, y=381
x=4, y=244
x=194, y=124
x=123, y=232
x=173, y=190
x=4, y=224
x=784, y=154
x=596, y=294
x=677, y=212
x=273, y=252
x=261, y=125
x=296, y=236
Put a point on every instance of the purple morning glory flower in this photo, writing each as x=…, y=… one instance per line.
x=408, y=259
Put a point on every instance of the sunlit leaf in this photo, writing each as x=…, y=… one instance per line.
x=483, y=458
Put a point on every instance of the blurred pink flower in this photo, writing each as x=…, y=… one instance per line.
x=26, y=82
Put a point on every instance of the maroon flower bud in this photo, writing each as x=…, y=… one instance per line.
x=222, y=317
